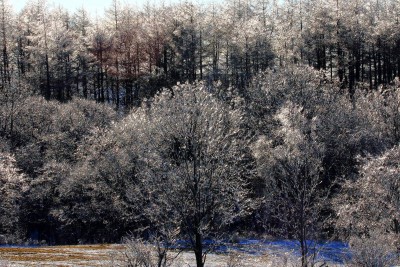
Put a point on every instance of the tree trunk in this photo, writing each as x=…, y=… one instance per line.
x=375, y=68
x=48, y=90
x=351, y=78
x=198, y=250
x=201, y=55
x=370, y=70
x=303, y=234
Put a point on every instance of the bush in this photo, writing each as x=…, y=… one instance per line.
x=375, y=250
x=138, y=253
x=234, y=259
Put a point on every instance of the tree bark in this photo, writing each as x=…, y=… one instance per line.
x=198, y=251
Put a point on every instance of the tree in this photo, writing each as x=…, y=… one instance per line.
x=13, y=185
x=370, y=202
x=196, y=164
x=381, y=108
x=35, y=24
x=289, y=29
x=292, y=168
x=186, y=42
x=309, y=135
x=81, y=25
x=6, y=26
x=63, y=47
x=346, y=129
x=100, y=47
x=45, y=139
x=11, y=101
x=94, y=204
x=368, y=210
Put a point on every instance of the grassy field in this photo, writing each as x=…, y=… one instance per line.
x=86, y=255
x=106, y=255
x=113, y=255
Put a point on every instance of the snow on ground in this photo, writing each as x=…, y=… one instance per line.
x=248, y=253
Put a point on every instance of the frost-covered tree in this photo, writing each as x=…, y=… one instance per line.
x=371, y=202
x=36, y=23
x=186, y=42
x=46, y=139
x=6, y=32
x=308, y=132
x=292, y=168
x=13, y=185
x=93, y=196
x=368, y=210
x=81, y=25
x=382, y=110
x=62, y=50
x=11, y=101
x=344, y=130
x=196, y=164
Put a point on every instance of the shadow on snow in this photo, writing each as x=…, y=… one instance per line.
x=329, y=251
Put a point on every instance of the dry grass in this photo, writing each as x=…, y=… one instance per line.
x=110, y=255
x=107, y=255
x=86, y=255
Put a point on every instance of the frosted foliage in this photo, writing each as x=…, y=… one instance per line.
x=292, y=171
x=9, y=173
x=194, y=162
x=175, y=164
x=106, y=173
x=197, y=137
x=374, y=250
x=290, y=132
x=382, y=109
x=362, y=210
x=12, y=186
x=297, y=133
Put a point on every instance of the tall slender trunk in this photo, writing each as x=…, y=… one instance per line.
x=198, y=250
x=370, y=69
x=6, y=71
x=303, y=234
x=398, y=58
x=331, y=62
x=201, y=55
x=375, y=68
x=165, y=61
x=84, y=82
x=48, y=89
x=351, y=77
x=117, y=85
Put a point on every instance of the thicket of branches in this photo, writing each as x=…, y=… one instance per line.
x=190, y=122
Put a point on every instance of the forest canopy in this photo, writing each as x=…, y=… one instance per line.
x=197, y=121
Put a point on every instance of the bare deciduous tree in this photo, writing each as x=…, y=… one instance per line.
x=195, y=176
x=371, y=202
x=292, y=169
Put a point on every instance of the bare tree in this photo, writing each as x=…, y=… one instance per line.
x=371, y=202
x=195, y=164
x=292, y=169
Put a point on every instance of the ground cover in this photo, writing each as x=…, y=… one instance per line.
x=254, y=253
